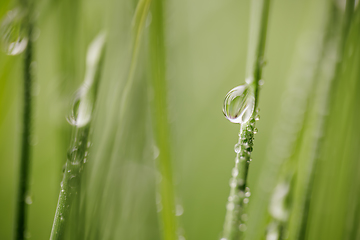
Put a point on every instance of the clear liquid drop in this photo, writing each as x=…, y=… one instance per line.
x=235, y=172
x=179, y=210
x=230, y=206
x=242, y=227
x=13, y=32
x=237, y=148
x=239, y=104
x=28, y=200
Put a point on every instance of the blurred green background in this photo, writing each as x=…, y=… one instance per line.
x=206, y=46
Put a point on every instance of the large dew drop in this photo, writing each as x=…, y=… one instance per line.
x=13, y=33
x=82, y=105
x=239, y=104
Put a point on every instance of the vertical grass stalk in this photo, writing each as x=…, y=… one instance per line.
x=325, y=120
x=239, y=192
x=80, y=118
x=160, y=121
x=25, y=157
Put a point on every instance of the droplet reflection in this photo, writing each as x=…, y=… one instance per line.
x=239, y=104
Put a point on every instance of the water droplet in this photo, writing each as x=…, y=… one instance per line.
x=242, y=227
x=249, y=80
x=257, y=117
x=62, y=218
x=159, y=207
x=28, y=200
x=237, y=148
x=261, y=82
x=233, y=182
x=71, y=154
x=239, y=104
x=235, y=172
x=73, y=181
x=230, y=206
x=241, y=194
x=244, y=217
x=179, y=210
x=13, y=32
x=246, y=200
x=88, y=144
x=255, y=131
x=62, y=184
x=247, y=194
x=156, y=151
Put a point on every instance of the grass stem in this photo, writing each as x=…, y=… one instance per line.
x=239, y=192
x=160, y=121
x=25, y=158
x=324, y=122
x=78, y=151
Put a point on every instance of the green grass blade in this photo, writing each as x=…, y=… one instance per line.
x=161, y=123
x=81, y=119
x=237, y=200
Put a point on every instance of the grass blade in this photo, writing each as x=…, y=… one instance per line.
x=160, y=121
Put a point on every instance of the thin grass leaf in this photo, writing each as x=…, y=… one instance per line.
x=80, y=118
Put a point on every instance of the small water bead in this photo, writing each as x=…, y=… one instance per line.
x=230, y=206
x=28, y=200
x=13, y=32
x=247, y=194
x=235, y=172
x=257, y=117
x=73, y=181
x=241, y=194
x=244, y=217
x=237, y=148
x=246, y=200
x=179, y=210
x=233, y=182
x=255, y=131
x=159, y=207
x=242, y=227
x=71, y=154
x=239, y=104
